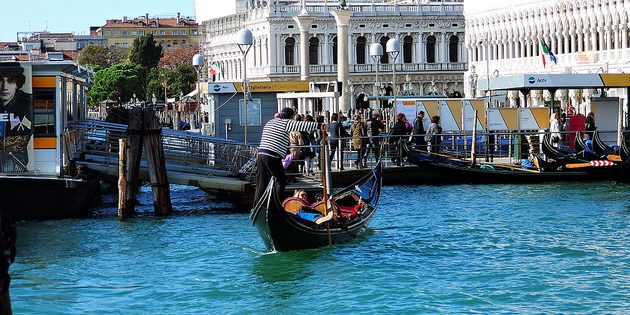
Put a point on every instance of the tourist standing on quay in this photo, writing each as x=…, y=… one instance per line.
x=555, y=129
x=418, y=132
x=589, y=126
x=434, y=134
x=274, y=145
x=396, y=138
x=359, y=133
x=337, y=135
x=374, y=128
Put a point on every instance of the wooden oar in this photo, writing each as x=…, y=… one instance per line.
x=578, y=165
x=595, y=163
x=325, y=174
x=614, y=158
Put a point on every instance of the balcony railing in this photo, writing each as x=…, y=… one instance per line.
x=323, y=9
x=371, y=68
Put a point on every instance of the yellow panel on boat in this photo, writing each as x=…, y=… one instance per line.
x=45, y=143
x=44, y=82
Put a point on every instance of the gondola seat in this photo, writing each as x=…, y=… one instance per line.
x=349, y=211
x=293, y=204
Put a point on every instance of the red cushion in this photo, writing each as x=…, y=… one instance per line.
x=349, y=211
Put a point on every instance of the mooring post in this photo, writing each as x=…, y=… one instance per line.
x=134, y=155
x=7, y=253
x=154, y=151
x=122, y=177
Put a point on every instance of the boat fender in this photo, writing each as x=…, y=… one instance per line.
x=486, y=167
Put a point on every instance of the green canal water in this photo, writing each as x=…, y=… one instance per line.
x=502, y=249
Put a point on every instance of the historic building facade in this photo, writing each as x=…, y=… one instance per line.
x=432, y=59
x=171, y=33
x=586, y=36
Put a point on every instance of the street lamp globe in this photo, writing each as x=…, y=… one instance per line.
x=393, y=48
x=245, y=40
x=197, y=62
x=376, y=50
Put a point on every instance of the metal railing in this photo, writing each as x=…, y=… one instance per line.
x=183, y=151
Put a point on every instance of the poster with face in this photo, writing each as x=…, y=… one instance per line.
x=16, y=116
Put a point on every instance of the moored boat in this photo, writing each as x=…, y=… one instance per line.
x=454, y=170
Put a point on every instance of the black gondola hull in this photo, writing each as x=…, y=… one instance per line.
x=282, y=231
x=460, y=172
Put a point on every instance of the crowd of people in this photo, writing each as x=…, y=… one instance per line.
x=291, y=142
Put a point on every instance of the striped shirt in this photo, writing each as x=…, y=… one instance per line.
x=275, y=135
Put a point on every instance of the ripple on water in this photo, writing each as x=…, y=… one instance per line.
x=495, y=249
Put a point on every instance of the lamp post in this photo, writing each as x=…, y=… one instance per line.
x=484, y=40
x=376, y=51
x=197, y=62
x=244, y=42
x=393, y=49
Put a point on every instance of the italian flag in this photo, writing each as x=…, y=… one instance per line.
x=546, y=53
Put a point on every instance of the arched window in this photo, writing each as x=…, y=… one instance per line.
x=289, y=51
x=407, y=49
x=361, y=50
x=453, y=49
x=334, y=50
x=431, y=49
x=313, y=46
x=384, y=57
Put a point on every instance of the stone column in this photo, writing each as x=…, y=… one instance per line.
x=419, y=50
x=580, y=42
x=624, y=38
x=616, y=42
x=608, y=39
x=304, y=21
x=444, y=48
x=593, y=39
x=342, y=17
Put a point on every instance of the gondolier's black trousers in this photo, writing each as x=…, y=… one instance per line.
x=268, y=166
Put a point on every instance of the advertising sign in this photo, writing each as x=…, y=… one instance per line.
x=16, y=116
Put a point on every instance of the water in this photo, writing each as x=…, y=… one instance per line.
x=545, y=249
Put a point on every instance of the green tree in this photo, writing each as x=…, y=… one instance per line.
x=118, y=82
x=95, y=56
x=182, y=80
x=147, y=53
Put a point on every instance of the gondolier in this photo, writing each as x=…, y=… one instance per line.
x=274, y=144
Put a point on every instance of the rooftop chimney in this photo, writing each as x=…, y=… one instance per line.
x=178, y=15
x=146, y=18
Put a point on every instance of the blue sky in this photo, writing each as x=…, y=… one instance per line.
x=78, y=15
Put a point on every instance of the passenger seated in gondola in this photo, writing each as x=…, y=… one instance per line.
x=299, y=206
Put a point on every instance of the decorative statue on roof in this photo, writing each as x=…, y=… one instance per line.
x=343, y=5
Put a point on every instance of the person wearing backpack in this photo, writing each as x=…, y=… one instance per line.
x=434, y=134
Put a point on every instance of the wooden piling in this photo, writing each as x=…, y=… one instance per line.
x=122, y=174
x=144, y=130
x=154, y=151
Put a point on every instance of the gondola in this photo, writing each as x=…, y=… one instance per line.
x=282, y=230
x=560, y=155
x=624, y=151
x=582, y=150
x=458, y=171
x=600, y=147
